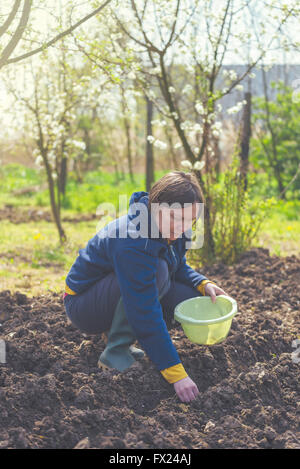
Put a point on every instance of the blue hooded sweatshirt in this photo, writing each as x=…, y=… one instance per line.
x=131, y=251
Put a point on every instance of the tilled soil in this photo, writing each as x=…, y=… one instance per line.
x=25, y=215
x=52, y=395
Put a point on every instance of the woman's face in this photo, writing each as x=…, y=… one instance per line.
x=173, y=222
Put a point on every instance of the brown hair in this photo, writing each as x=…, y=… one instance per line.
x=176, y=186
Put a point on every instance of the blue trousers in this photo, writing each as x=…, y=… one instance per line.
x=92, y=311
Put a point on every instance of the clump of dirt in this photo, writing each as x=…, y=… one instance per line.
x=25, y=215
x=52, y=395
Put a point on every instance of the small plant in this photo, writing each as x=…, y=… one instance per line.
x=236, y=217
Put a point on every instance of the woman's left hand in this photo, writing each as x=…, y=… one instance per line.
x=213, y=291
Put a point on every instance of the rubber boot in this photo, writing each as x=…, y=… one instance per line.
x=137, y=353
x=120, y=337
x=118, y=351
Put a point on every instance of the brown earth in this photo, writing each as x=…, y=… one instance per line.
x=52, y=395
x=24, y=215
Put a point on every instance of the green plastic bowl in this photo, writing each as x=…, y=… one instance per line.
x=205, y=322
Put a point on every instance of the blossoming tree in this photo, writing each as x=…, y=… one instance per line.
x=49, y=105
x=201, y=36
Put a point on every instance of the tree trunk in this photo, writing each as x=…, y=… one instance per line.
x=209, y=244
x=63, y=175
x=77, y=169
x=217, y=157
x=149, y=148
x=54, y=207
x=275, y=162
x=87, y=141
x=117, y=174
x=245, y=141
x=172, y=150
x=129, y=153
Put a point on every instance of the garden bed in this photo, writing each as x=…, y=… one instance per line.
x=52, y=395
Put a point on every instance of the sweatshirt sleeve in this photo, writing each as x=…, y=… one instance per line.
x=187, y=275
x=136, y=273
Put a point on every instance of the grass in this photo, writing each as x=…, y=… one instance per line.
x=31, y=258
x=280, y=231
x=97, y=187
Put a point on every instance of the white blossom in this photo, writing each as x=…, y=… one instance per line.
x=39, y=161
x=159, y=122
x=211, y=117
x=171, y=89
x=190, y=126
x=197, y=128
x=117, y=36
x=187, y=89
x=159, y=144
x=231, y=74
x=198, y=165
x=217, y=125
x=131, y=75
x=78, y=144
x=51, y=156
x=151, y=94
x=232, y=110
x=199, y=108
x=186, y=164
x=236, y=108
x=150, y=139
x=155, y=71
x=177, y=145
x=216, y=128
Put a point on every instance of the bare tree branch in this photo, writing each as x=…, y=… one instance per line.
x=128, y=34
x=8, y=50
x=55, y=39
x=175, y=35
x=173, y=26
x=253, y=64
x=156, y=21
x=221, y=35
x=10, y=18
x=150, y=45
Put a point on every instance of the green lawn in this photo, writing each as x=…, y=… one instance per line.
x=280, y=231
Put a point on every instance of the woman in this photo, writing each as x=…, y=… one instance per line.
x=128, y=279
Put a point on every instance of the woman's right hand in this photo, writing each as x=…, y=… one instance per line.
x=186, y=389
